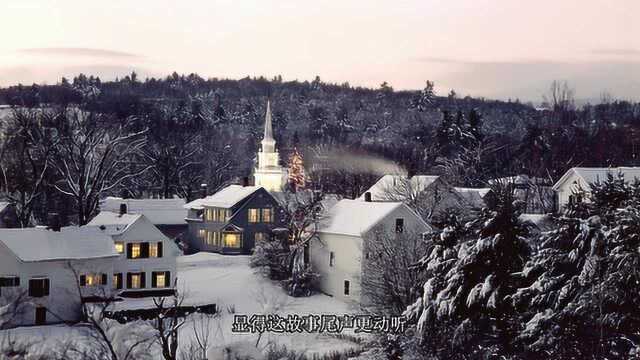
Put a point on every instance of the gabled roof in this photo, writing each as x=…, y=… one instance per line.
x=70, y=243
x=392, y=187
x=355, y=217
x=225, y=198
x=114, y=223
x=592, y=175
x=521, y=179
x=474, y=196
x=158, y=211
x=3, y=205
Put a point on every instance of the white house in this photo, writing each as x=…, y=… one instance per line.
x=51, y=269
x=338, y=252
x=575, y=184
x=166, y=214
x=146, y=262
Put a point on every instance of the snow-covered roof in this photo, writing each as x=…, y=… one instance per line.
x=225, y=198
x=474, y=196
x=592, y=175
x=520, y=180
x=392, y=187
x=3, y=205
x=70, y=243
x=158, y=211
x=355, y=217
x=113, y=222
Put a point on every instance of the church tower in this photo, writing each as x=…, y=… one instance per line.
x=269, y=174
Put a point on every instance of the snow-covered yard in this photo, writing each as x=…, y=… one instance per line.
x=229, y=282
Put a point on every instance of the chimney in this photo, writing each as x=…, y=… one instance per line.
x=203, y=190
x=245, y=181
x=367, y=197
x=54, y=222
x=123, y=209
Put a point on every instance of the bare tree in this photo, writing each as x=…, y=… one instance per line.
x=24, y=160
x=388, y=283
x=93, y=157
x=167, y=324
x=560, y=97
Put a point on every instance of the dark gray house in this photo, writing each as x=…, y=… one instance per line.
x=232, y=220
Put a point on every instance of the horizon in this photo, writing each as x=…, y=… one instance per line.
x=491, y=49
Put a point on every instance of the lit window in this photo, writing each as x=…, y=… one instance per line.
x=232, y=240
x=135, y=251
x=254, y=215
x=153, y=250
x=119, y=247
x=117, y=281
x=267, y=215
x=160, y=280
x=259, y=236
x=136, y=281
x=202, y=234
x=93, y=279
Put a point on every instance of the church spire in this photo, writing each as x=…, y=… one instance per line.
x=268, y=127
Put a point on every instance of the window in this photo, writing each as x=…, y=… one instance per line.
x=9, y=281
x=399, y=225
x=232, y=240
x=332, y=259
x=117, y=281
x=267, y=215
x=259, y=236
x=160, y=279
x=153, y=250
x=93, y=279
x=347, y=286
x=254, y=215
x=41, y=315
x=136, y=280
x=39, y=287
x=119, y=247
x=202, y=234
x=135, y=251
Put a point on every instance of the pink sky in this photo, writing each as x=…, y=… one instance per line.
x=492, y=48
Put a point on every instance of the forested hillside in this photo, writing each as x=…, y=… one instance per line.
x=173, y=134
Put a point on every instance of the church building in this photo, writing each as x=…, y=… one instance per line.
x=268, y=172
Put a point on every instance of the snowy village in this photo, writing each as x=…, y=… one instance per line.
x=157, y=203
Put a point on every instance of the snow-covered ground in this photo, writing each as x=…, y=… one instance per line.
x=229, y=282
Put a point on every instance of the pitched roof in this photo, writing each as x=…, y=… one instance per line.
x=70, y=243
x=592, y=175
x=268, y=127
x=225, y=198
x=158, y=211
x=390, y=187
x=354, y=217
x=474, y=196
x=521, y=179
x=3, y=205
x=114, y=223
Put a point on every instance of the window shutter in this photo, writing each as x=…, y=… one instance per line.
x=83, y=280
x=17, y=281
x=128, y=280
x=46, y=287
x=4, y=282
x=129, y=250
x=160, y=249
x=154, y=279
x=104, y=279
x=167, y=278
x=144, y=250
x=32, y=288
x=143, y=282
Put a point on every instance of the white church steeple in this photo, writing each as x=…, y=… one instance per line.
x=269, y=174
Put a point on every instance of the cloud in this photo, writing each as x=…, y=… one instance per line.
x=80, y=52
x=616, y=52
